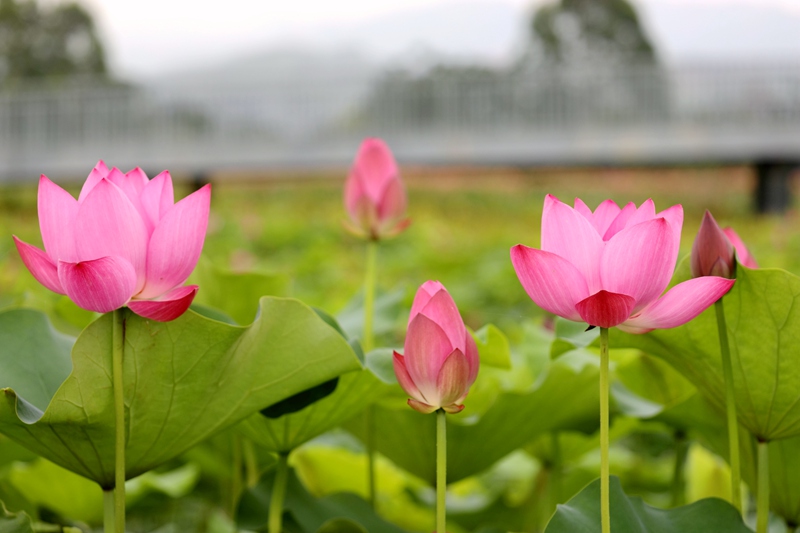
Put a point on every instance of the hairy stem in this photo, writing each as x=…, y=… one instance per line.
x=679, y=472
x=278, y=494
x=730, y=400
x=368, y=344
x=441, y=471
x=108, y=511
x=762, y=501
x=605, y=507
x=117, y=350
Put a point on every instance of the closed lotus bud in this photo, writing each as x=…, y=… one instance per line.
x=712, y=251
x=441, y=359
x=374, y=196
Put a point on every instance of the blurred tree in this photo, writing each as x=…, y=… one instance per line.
x=587, y=31
x=58, y=41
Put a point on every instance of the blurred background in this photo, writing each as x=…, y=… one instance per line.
x=210, y=89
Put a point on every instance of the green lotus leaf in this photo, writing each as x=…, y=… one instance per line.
x=184, y=381
x=763, y=319
x=631, y=515
x=14, y=522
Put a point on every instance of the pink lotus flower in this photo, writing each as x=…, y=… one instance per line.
x=374, y=196
x=610, y=267
x=714, y=251
x=441, y=358
x=122, y=242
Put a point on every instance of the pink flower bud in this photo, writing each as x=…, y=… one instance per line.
x=712, y=251
x=441, y=358
x=123, y=242
x=374, y=196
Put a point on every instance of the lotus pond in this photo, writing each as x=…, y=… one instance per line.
x=216, y=408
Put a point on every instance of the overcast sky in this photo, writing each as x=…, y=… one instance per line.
x=148, y=36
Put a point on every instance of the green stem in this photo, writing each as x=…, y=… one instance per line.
x=250, y=463
x=278, y=494
x=236, y=473
x=679, y=473
x=605, y=507
x=730, y=400
x=441, y=471
x=118, y=348
x=108, y=511
x=369, y=294
x=555, y=479
x=762, y=502
x=368, y=344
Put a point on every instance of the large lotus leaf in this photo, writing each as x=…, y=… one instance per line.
x=566, y=398
x=708, y=424
x=631, y=515
x=184, y=381
x=763, y=321
x=235, y=292
x=355, y=391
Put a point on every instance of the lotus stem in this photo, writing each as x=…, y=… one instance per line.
x=368, y=344
x=117, y=350
x=278, y=494
x=556, y=470
x=250, y=464
x=605, y=507
x=236, y=473
x=108, y=511
x=679, y=474
x=762, y=501
x=730, y=401
x=441, y=471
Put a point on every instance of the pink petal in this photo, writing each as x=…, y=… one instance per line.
x=742, y=253
x=99, y=172
x=679, y=305
x=131, y=184
x=40, y=265
x=404, y=379
x=137, y=179
x=107, y=224
x=473, y=358
x=57, y=211
x=552, y=282
x=581, y=207
x=101, y=285
x=176, y=243
x=423, y=296
x=168, y=307
x=158, y=197
x=453, y=408
x=353, y=197
x=392, y=205
x=452, y=382
x=602, y=217
x=674, y=215
x=620, y=222
x=422, y=407
x=374, y=165
x=443, y=311
x=426, y=348
x=605, y=309
x=646, y=211
x=639, y=261
x=569, y=235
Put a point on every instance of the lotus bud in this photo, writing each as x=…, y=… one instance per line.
x=441, y=358
x=712, y=251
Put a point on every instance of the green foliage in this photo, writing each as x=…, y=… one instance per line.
x=14, y=522
x=631, y=515
x=184, y=381
x=764, y=331
x=56, y=41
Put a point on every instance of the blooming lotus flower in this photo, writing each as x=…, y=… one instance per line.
x=374, y=196
x=441, y=358
x=122, y=242
x=713, y=250
x=610, y=267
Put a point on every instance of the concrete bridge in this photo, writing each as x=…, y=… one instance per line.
x=726, y=114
